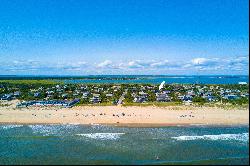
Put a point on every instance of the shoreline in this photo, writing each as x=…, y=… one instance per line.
x=131, y=125
x=129, y=116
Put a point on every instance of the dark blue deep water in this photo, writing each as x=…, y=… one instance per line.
x=97, y=144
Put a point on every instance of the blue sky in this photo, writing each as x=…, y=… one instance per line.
x=82, y=37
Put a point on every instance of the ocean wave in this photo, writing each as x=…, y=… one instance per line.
x=95, y=124
x=239, y=137
x=72, y=124
x=47, y=130
x=102, y=136
x=5, y=127
x=100, y=126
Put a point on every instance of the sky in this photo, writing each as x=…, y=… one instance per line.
x=86, y=37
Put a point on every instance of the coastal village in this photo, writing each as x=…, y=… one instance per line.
x=68, y=95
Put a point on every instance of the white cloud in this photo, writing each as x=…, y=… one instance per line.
x=204, y=61
x=219, y=64
x=106, y=63
x=242, y=60
x=198, y=61
x=81, y=63
x=78, y=66
x=139, y=64
x=133, y=66
x=31, y=65
x=21, y=65
x=160, y=64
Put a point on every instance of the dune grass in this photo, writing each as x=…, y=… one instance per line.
x=157, y=104
x=97, y=104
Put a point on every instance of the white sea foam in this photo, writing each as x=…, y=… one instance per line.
x=95, y=124
x=72, y=123
x=102, y=136
x=10, y=126
x=239, y=137
x=43, y=129
x=200, y=125
x=47, y=130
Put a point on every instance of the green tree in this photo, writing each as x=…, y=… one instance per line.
x=129, y=98
x=151, y=97
x=199, y=99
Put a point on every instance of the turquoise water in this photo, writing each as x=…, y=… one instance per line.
x=98, y=144
x=168, y=79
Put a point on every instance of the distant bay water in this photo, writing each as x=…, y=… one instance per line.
x=168, y=79
x=140, y=79
x=98, y=144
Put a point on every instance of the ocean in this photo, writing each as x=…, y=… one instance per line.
x=100, y=144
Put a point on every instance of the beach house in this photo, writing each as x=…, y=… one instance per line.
x=49, y=103
x=162, y=97
x=85, y=95
x=17, y=93
x=7, y=96
x=231, y=97
x=142, y=97
x=95, y=99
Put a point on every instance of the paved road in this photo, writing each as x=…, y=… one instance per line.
x=122, y=97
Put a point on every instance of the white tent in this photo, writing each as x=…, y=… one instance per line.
x=162, y=84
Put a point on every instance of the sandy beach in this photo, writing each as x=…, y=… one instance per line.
x=124, y=116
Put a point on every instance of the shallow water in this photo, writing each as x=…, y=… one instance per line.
x=98, y=144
